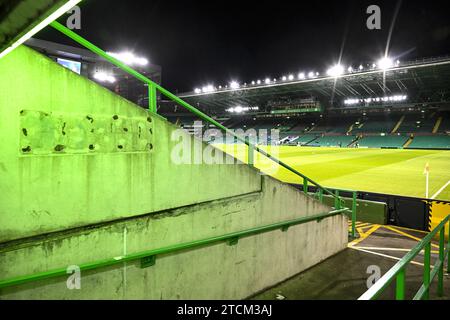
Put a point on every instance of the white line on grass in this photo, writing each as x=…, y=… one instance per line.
x=440, y=190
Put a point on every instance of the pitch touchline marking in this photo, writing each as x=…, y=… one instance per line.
x=440, y=190
x=386, y=256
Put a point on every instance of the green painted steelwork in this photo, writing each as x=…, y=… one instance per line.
x=148, y=257
x=398, y=270
x=181, y=102
x=354, y=206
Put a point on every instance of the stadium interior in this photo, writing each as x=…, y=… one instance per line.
x=407, y=107
x=326, y=176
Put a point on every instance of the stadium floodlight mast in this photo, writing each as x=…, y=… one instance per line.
x=52, y=17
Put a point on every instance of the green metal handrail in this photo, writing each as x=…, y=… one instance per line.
x=154, y=88
x=150, y=255
x=398, y=271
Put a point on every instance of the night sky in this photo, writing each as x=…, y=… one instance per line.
x=202, y=42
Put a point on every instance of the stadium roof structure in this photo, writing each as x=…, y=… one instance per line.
x=422, y=81
x=20, y=20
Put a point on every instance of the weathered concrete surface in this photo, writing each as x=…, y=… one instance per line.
x=214, y=272
x=68, y=205
x=44, y=106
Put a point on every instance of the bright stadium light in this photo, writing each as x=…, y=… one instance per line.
x=396, y=98
x=291, y=77
x=129, y=58
x=361, y=67
x=197, y=90
x=301, y=76
x=267, y=81
x=335, y=71
x=284, y=78
x=104, y=77
x=234, y=85
x=258, y=82
x=253, y=83
x=350, y=69
x=208, y=89
x=238, y=109
x=385, y=63
x=311, y=75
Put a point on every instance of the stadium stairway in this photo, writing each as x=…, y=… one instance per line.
x=410, y=140
x=437, y=125
x=97, y=187
x=397, y=126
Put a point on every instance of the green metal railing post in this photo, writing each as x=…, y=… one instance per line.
x=426, y=270
x=321, y=195
x=442, y=260
x=354, y=206
x=152, y=98
x=250, y=153
x=400, y=287
x=448, y=248
x=337, y=200
x=305, y=186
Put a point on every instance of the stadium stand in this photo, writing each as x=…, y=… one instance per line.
x=306, y=139
x=376, y=125
x=333, y=141
x=388, y=141
x=445, y=124
x=430, y=142
x=414, y=123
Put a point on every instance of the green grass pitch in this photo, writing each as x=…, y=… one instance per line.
x=399, y=172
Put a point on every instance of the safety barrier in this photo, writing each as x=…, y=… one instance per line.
x=398, y=271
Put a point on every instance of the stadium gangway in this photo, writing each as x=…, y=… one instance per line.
x=398, y=271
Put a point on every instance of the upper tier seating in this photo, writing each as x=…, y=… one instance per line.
x=376, y=125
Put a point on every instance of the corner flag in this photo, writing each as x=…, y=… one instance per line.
x=427, y=169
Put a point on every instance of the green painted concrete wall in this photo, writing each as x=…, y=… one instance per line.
x=45, y=191
x=63, y=204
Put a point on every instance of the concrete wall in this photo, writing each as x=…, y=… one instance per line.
x=45, y=108
x=64, y=203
